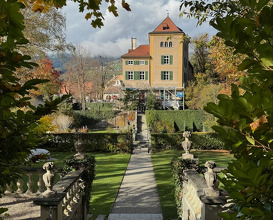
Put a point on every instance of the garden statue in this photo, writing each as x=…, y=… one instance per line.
x=79, y=146
x=48, y=178
x=186, y=144
x=211, y=180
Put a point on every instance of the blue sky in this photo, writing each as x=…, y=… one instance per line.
x=114, y=38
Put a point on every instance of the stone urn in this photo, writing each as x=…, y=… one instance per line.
x=79, y=146
x=211, y=180
x=186, y=144
x=48, y=179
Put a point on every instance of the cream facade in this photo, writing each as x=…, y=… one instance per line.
x=162, y=66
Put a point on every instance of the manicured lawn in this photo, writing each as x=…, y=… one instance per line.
x=164, y=177
x=110, y=169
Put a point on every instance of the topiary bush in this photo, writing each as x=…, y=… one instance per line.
x=200, y=140
x=94, y=142
x=186, y=120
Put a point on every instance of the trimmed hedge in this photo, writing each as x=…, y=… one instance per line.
x=200, y=140
x=186, y=120
x=94, y=142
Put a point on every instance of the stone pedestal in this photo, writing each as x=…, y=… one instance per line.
x=187, y=156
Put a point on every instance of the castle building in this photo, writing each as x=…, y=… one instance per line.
x=162, y=66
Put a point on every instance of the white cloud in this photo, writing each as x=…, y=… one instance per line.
x=113, y=39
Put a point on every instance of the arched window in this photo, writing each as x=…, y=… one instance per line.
x=166, y=44
x=161, y=44
x=170, y=44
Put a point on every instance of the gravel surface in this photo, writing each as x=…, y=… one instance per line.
x=20, y=208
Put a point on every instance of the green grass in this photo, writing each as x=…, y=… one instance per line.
x=110, y=169
x=164, y=180
x=164, y=177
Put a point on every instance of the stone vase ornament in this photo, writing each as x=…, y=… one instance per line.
x=186, y=144
x=79, y=146
x=211, y=180
x=48, y=179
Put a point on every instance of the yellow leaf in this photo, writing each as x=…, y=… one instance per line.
x=258, y=123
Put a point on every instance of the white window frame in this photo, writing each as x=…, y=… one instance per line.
x=166, y=59
x=142, y=75
x=142, y=62
x=166, y=75
x=166, y=44
x=170, y=44
x=130, y=62
x=130, y=75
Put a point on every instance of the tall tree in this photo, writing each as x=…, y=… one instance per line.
x=200, y=56
x=78, y=68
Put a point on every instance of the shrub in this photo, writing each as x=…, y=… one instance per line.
x=200, y=140
x=63, y=122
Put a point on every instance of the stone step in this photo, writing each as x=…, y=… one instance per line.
x=135, y=217
x=101, y=217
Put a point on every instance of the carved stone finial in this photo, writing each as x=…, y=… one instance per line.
x=48, y=178
x=186, y=144
x=79, y=147
x=211, y=180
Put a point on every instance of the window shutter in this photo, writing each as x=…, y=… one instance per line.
x=162, y=75
x=136, y=62
x=136, y=75
x=126, y=75
x=146, y=62
x=162, y=59
x=171, y=75
x=146, y=75
x=126, y=62
x=171, y=59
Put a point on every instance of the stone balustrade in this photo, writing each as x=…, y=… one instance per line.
x=68, y=202
x=198, y=203
x=30, y=184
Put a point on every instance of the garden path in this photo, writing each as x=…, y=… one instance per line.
x=138, y=195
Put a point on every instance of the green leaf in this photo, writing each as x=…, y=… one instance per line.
x=250, y=140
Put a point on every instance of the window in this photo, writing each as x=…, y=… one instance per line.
x=165, y=59
x=130, y=75
x=130, y=62
x=166, y=75
x=161, y=44
x=142, y=62
x=166, y=44
x=141, y=75
x=170, y=44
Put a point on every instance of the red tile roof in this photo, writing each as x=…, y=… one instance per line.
x=141, y=51
x=167, y=26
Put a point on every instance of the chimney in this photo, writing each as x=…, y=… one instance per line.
x=133, y=39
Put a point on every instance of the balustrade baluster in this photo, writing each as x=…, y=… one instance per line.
x=9, y=188
x=19, y=184
x=64, y=205
x=41, y=184
x=29, y=184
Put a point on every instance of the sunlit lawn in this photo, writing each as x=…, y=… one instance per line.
x=110, y=169
x=164, y=177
